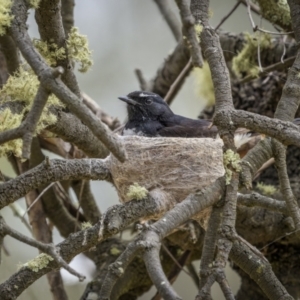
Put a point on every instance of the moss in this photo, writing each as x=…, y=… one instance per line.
x=203, y=84
x=34, y=3
x=5, y=15
x=50, y=52
x=245, y=61
x=231, y=159
x=85, y=225
x=78, y=50
x=266, y=189
x=135, y=191
x=276, y=11
x=39, y=263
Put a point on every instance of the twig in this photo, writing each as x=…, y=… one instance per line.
x=175, y=87
x=19, y=211
x=38, y=197
x=275, y=67
x=111, y=122
x=228, y=15
x=50, y=249
x=253, y=7
x=141, y=79
x=170, y=17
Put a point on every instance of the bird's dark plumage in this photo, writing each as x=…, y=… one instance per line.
x=149, y=115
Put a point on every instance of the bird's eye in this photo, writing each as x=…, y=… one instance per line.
x=148, y=101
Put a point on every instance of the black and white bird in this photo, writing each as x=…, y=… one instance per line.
x=149, y=115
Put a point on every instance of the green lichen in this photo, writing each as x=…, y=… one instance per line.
x=8, y=120
x=85, y=225
x=231, y=160
x=266, y=189
x=276, y=11
x=78, y=50
x=245, y=62
x=50, y=52
x=135, y=191
x=39, y=263
x=34, y=3
x=203, y=84
x=5, y=15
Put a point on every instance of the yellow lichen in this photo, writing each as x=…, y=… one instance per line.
x=8, y=120
x=204, y=85
x=39, y=263
x=232, y=160
x=198, y=28
x=50, y=52
x=266, y=189
x=276, y=11
x=23, y=86
x=115, y=251
x=137, y=192
x=34, y=3
x=78, y=50
x=245, y=62
x=5, y=15
x=85, y=225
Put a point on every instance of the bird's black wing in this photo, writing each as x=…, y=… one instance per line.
x=188, y=132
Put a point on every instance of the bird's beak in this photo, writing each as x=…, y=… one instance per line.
x=128, y=100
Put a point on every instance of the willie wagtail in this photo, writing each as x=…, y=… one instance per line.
x=149, y=115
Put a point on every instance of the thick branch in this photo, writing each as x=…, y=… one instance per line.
x=51, y=171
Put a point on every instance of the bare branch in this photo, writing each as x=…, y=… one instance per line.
x=189, y=33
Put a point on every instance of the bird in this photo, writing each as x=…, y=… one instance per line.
x=150, y=116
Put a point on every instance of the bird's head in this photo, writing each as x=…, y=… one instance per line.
x=145, y=105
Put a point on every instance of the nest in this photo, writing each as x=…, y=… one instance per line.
x=172, y=167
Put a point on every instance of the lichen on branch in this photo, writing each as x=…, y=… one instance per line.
x=245, y=63
x=5, y=15
x=231, y=161
x=78, y=50
x=23, y=86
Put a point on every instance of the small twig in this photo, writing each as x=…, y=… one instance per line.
x=178, y=82
x=50, y=249
x=141, y=78
x=228, y=15
x=111, y=122
x=275, y=67
x=284, y=49
x=258, y=50
x=253, y=7
x=19, y=212
x=175, y=260
x=38, y=197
